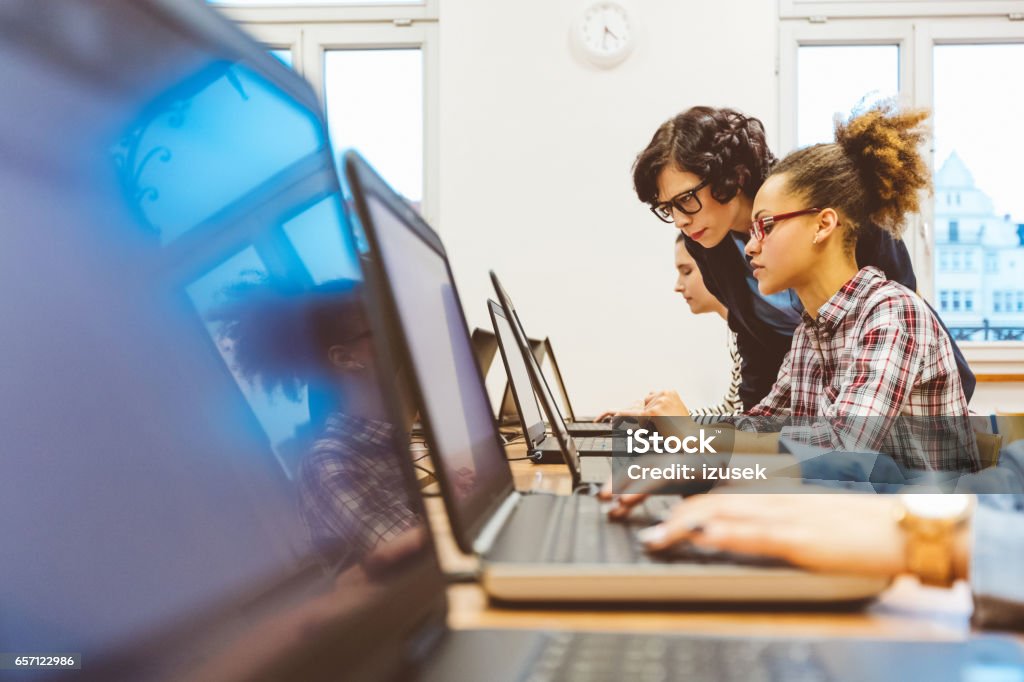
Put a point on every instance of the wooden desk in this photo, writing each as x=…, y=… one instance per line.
x=905, y=611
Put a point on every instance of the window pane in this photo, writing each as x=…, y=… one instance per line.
x=979, y=209
x=375, y=104
x=834, y=79
x=190, y=155
x=284, y=55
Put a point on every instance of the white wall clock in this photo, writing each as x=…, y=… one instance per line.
x=604, y=33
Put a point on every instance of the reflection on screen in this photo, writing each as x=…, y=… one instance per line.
x=195, y=441
x=179, y=159
x=454, y=397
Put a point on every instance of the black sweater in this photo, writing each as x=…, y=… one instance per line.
x=761, y=347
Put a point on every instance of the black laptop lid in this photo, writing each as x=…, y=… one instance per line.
x=485, y=346
x=420, y=296
x=519, y=377
x=199, y=476
x=566, y=442
x=508, y=411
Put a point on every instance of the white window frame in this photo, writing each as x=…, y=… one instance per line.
x=338, y=13
x=940, y=23
x=858, y=9
x=310, y=30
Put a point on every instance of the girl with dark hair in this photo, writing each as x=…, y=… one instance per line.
x=700, y=172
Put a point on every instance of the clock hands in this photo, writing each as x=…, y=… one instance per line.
x=604, y=36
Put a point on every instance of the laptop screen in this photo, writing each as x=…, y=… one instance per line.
x=464, y=439
x=553, y=375
x=201, y=477
x=547, y=401
x=519, y=375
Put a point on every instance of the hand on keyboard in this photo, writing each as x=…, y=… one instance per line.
x=809, y=530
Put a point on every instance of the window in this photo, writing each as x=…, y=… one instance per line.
x=390, y=133
x=932, y=60
x=1020, y=301
x=973, y=161
x=956, y=301
x=284, y=55
x=834, y=79
x=374, y=64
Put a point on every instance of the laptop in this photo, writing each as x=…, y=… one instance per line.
x=532, y=547
x=559, y=381
x=162, y=481
x=485, y=347
x=542, y=447
x=585, y=427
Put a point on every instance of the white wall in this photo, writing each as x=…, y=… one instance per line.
x=990, y=398
x=536, y=150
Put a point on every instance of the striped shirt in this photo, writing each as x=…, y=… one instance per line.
x=731, y=404
x=874, y=370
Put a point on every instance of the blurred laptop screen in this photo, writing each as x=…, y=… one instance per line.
x=196, y=448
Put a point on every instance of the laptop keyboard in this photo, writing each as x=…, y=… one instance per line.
x=595, y=443
x=594, y=657
x=578, y=531
x=589, y=427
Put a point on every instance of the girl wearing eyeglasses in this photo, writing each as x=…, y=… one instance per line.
x=700, y=172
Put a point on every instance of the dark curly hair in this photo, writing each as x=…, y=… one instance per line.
x=872, y=174
x=280, y=331
x=720, y=145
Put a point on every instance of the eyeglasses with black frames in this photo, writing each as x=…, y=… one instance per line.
x=763, y=226
x=685, y=202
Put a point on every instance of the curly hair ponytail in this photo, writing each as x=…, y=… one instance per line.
x=873, y=173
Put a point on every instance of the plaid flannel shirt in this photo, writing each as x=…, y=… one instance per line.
x=875, y=371
x=351, y=494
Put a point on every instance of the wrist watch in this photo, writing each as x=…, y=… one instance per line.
x=931, y=522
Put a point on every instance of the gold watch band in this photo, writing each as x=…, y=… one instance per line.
x=930, y=546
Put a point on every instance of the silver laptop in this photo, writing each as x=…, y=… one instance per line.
x=485, y=347
x=571, y=416
x=531, y=546
x=540, y=350
x=542, y=447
